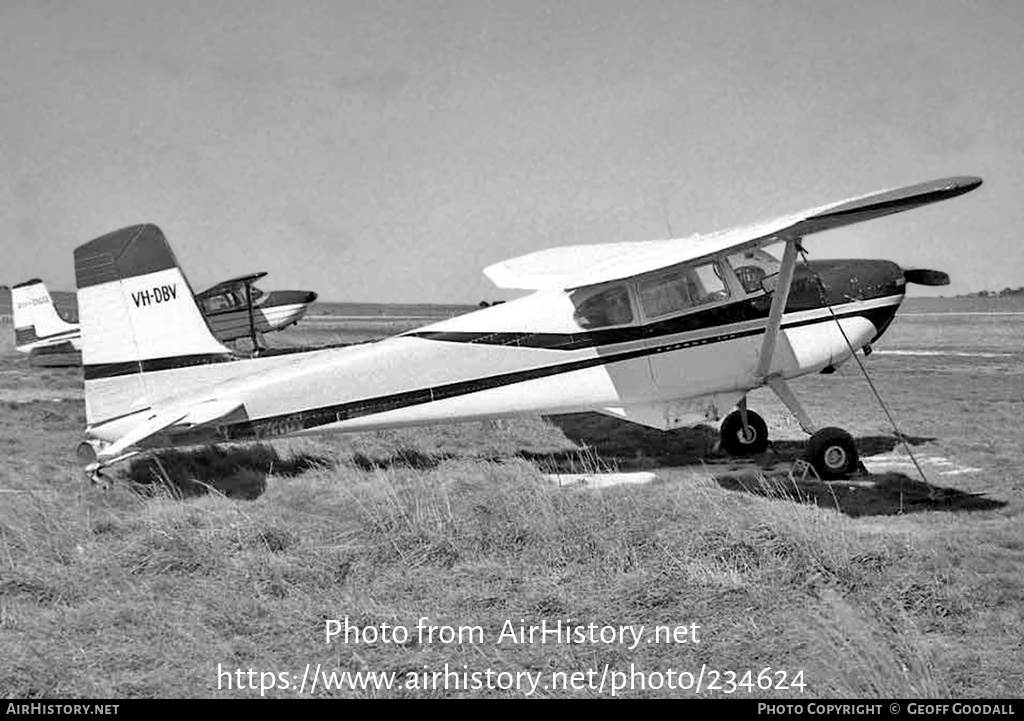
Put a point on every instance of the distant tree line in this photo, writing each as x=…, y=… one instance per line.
x=1005, y=292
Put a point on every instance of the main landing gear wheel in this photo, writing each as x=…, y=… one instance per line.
x=737, y=441
x=833, y=453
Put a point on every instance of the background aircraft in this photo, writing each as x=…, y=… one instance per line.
x=233, y=309
x=662, y=333
x=236, y=308
x=40, y=330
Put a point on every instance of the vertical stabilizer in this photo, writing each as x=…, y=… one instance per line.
x=138, y=317
x=36, y=322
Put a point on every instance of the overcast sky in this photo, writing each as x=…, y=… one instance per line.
x=388, y=151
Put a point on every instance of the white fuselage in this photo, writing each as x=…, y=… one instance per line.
x=524, y=356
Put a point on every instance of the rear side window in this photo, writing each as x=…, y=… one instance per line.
x=607, y=307
x=682, y=289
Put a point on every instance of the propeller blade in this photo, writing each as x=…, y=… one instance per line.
x=923, y=276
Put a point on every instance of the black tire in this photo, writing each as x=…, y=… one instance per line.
x=833, y=453
x=733, y=441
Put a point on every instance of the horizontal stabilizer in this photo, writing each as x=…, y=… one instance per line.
x=154, y=424
x=579, y=265
x=196, y=415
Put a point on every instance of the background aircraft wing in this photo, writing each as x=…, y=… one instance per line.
x=579, y=265
x=225, y=284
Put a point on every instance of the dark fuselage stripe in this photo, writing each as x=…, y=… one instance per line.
x=302, y=420
x=805, y=296
x=750, y=310
x=150, y=365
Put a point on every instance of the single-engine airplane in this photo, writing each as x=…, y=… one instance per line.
x=233, y=309
x=663, y=333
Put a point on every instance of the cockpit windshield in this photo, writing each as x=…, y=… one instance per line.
x=226, y=300
x=752, y=266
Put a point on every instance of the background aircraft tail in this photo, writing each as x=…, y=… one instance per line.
x=36, y=322
x=139, y=322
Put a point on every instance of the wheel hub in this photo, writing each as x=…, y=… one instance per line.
x=835, y=457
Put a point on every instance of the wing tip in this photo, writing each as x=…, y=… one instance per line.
x=958, y=184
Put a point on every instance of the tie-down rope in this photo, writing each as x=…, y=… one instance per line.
x=896, y=431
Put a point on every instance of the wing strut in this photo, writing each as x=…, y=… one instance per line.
x=771, y=331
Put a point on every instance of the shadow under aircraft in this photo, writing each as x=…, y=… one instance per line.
x=617, y=445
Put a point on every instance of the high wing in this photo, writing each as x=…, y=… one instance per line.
x=231, y=283
x=579, y=265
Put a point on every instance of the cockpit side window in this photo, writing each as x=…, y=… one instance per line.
x=681, y=289
x=605, y=308
x=219, y=302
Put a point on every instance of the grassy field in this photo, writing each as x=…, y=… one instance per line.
x=206, y=562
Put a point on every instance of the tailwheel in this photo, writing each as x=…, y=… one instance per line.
x=740, y=441
x=833, y=453
x=87, y=456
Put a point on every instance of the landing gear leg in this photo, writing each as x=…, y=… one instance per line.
x=781, y=389
x=831, y=451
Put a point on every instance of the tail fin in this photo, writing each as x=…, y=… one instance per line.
x=36, y=322
x=139, y=318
